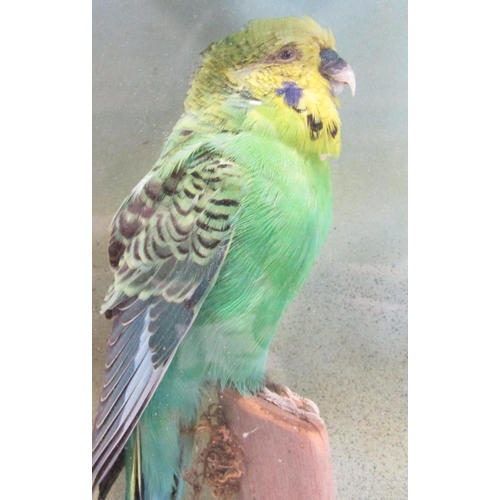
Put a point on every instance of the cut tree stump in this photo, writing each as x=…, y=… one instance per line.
x=249, y=449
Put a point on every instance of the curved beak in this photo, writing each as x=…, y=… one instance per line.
x=337, y=71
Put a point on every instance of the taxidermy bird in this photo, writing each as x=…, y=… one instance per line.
x=211, y=246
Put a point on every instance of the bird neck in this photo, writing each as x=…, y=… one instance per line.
x=269, y=116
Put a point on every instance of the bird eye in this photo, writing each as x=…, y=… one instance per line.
x=287, y=54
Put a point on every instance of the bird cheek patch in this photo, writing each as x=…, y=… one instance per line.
x=292, y=93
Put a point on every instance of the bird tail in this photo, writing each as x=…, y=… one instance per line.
x=135, y=485
x=159, y=450
x=149, y=479
x=154, y=469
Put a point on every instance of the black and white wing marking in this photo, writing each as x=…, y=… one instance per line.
x=168, y=242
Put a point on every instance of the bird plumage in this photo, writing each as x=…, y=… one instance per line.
x=213, y=244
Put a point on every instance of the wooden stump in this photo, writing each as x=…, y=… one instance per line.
x=250, y=449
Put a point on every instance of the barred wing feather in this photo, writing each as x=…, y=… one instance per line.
x=168, y=242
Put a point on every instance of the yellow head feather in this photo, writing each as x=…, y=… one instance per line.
x=273, y=69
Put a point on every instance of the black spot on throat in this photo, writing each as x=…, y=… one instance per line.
x=315, y=126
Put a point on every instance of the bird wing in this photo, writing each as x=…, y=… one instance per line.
x=168, y=242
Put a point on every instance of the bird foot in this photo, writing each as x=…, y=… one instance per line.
x=282, y=397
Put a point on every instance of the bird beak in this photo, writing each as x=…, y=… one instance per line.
x=337, y=71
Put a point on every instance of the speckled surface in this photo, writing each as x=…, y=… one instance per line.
x=343, y=342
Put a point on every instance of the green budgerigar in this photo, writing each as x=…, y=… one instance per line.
x=211, y=246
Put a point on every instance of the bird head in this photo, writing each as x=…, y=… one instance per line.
x=286, y=77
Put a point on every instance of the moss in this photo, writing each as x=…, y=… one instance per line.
x=219, y=465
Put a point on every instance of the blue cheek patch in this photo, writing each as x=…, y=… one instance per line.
x=292, y=93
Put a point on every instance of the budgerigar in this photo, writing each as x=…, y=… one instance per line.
x=211, y=246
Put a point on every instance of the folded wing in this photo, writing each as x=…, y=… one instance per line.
x=168, y=242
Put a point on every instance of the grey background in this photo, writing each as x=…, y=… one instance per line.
x=343, y=342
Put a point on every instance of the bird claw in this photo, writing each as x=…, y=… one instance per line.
x=282, y=397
